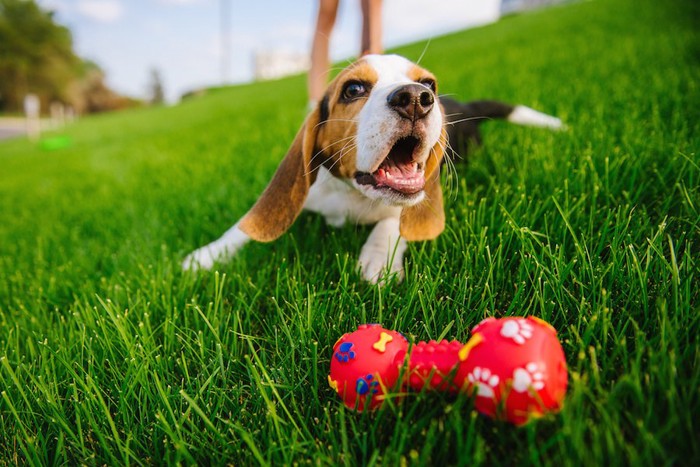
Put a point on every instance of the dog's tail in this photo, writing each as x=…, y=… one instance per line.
x=479, y=111
x=463, y=120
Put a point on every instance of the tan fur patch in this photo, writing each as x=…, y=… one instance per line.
x=419, y=74
x=336, y=136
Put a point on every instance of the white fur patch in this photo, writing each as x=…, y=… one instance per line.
x=382, y=254
x=391, y=69
x=219, y=250
x=523, y=115
x=338, y=201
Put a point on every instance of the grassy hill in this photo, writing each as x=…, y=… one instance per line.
x=110, y=354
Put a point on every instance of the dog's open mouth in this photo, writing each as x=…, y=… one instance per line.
x=398, y=171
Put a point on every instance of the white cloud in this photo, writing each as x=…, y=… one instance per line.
x=105, y=11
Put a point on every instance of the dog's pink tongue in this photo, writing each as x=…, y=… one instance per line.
x=405, y=178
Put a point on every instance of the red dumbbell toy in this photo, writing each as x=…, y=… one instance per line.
x=515, y=367
x=366, y=364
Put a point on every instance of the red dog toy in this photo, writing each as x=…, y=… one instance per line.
x=515, y=367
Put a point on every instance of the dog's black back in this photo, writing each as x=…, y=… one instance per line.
x=463, y=120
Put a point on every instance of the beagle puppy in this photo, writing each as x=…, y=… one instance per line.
x=370, y=153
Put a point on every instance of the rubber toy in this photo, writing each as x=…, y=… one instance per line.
x=366, y=365
x=514, y=367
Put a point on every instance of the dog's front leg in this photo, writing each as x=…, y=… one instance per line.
x=219, y=250
x=382, y=253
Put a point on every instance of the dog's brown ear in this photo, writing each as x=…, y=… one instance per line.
x=283, y=199
x=426, y=220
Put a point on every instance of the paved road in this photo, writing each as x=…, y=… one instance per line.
x=9, y=133
x=11, y=127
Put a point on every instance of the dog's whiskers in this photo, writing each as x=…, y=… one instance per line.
x=309, y=167
x=322, y=150
x=349, y=146
x=334, y=120
x=451, y=177
x=453, y=122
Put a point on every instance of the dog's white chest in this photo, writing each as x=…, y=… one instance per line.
x=340, y=202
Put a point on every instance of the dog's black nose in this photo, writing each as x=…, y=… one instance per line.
x=412, y=101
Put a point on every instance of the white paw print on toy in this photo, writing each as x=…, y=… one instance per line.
x=484, y=381
x=517, y=329
x=531, y=376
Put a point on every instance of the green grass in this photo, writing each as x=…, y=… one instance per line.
x=109, y=354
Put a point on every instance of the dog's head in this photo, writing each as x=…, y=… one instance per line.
x=380, y=127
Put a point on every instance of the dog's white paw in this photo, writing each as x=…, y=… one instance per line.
x=199, y=259
x=381, y=257
x=375, y=266
x=220, y=250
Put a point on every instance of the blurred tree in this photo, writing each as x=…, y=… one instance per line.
x=90, y=94
x=156, y=92
x=36, y=54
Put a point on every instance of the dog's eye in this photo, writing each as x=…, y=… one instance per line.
x=353, y=90
x=429, y=83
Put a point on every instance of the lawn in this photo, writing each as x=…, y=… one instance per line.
x=110, y=354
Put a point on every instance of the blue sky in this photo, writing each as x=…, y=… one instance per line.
x=182, y=38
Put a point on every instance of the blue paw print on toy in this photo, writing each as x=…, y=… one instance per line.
x=366, y=385
x=345, y=352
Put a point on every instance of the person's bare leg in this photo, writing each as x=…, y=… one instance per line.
x=320, y=61
x=371, y=27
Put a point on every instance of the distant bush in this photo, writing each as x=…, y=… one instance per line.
x=36, y=56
